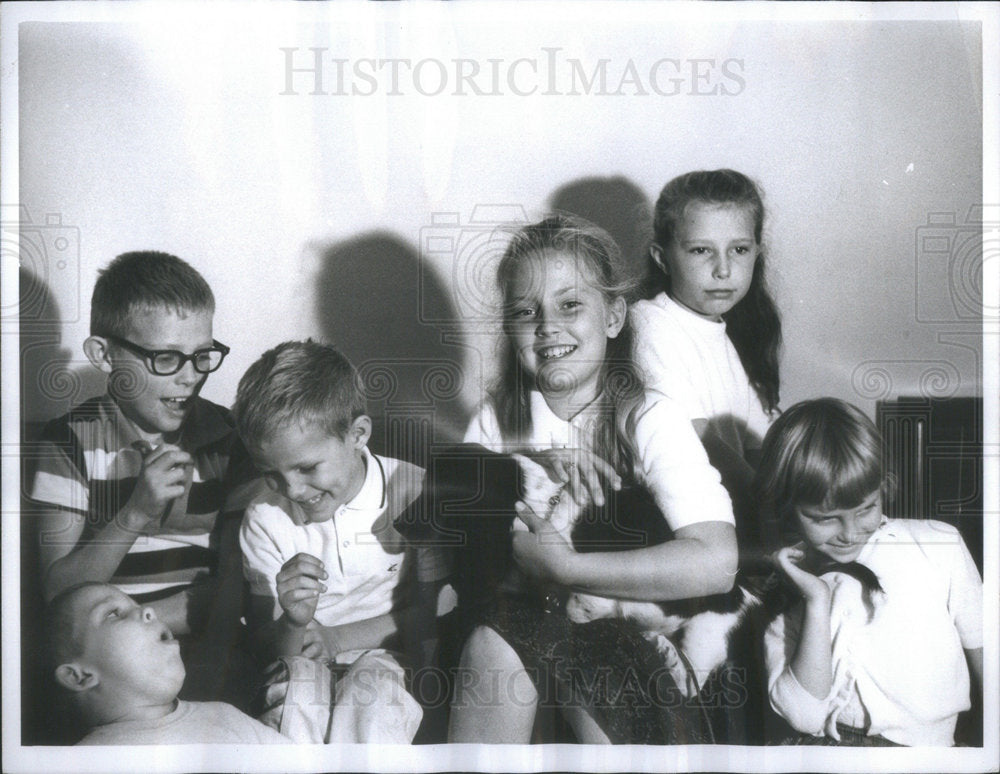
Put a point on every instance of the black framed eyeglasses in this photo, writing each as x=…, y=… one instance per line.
x=165, y=362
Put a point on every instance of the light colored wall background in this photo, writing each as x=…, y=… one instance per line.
x=174, y=135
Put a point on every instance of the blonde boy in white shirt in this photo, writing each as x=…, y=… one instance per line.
x=328, y=572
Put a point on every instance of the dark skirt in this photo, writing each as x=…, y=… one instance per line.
x=606, y=667
x=849, y=737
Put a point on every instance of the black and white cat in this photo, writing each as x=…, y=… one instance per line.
x=694, y=636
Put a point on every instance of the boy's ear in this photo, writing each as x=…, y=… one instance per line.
x=76, y=677
x=96, y=349
x=360, y=431
x=617, y=312
x=656, y=253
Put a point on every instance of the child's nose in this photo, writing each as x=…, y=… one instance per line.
x=296, y=488
x=187, y=374
x=544, y=325
x=722, y=266
x=848, y=531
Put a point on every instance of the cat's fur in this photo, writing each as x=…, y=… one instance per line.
x=692, y=635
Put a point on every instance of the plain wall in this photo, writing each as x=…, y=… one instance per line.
x=175, y=136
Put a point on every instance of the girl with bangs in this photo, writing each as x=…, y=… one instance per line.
x=879, y=648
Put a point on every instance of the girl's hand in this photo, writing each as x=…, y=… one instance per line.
x=584, y=473
x=788, y=559
x=542, y=553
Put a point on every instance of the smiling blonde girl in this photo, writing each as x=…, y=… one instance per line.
x=568, y=388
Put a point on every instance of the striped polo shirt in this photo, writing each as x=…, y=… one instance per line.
x=89, y=465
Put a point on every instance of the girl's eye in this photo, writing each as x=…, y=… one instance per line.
x=741, y=250
x=571, y=304
x=523, y=312
x=307, y=468
x=113, y=613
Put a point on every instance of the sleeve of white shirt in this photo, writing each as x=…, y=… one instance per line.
x=675, y=468
x=262, y=558
x=965, y=592
x=803, y=711
x=658, y=362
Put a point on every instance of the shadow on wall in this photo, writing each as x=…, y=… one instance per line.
x=387, y=311
x=52, y=381
x=53, y=378
x=617, y=205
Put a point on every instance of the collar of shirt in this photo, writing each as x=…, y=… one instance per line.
x=883, y=531
x=690, y=320
x=548, y=430
x=371, y=496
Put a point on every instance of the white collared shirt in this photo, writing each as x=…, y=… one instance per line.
x=363, y=554
x=907, y=664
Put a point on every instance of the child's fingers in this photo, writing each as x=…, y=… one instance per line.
x=151, y=454
x=299, y=595
x=531, y=519
x=593, y=484
x=606, y=472
x=175, y=474
x=788, y=561
x=167, y=457
x=306, y=564
x=596, y=475
x=780, y=558
x=298, y=580
x=561, y=469
x=578, y=488
x=292, y=578
x=173, y=490
x=789, y=557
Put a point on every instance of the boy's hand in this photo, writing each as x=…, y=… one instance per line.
x=314, y=646
x=584, y=473
x=162, y=479
x=300, y=582
x=813, y=589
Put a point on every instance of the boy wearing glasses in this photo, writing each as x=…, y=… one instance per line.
x=132, y=486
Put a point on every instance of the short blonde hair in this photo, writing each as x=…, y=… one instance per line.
x=823, y=453
x=303, y=382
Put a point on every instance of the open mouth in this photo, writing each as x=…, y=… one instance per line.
x=166, y=635
x=555, y=352
x=312, y=500
x=176, y=404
